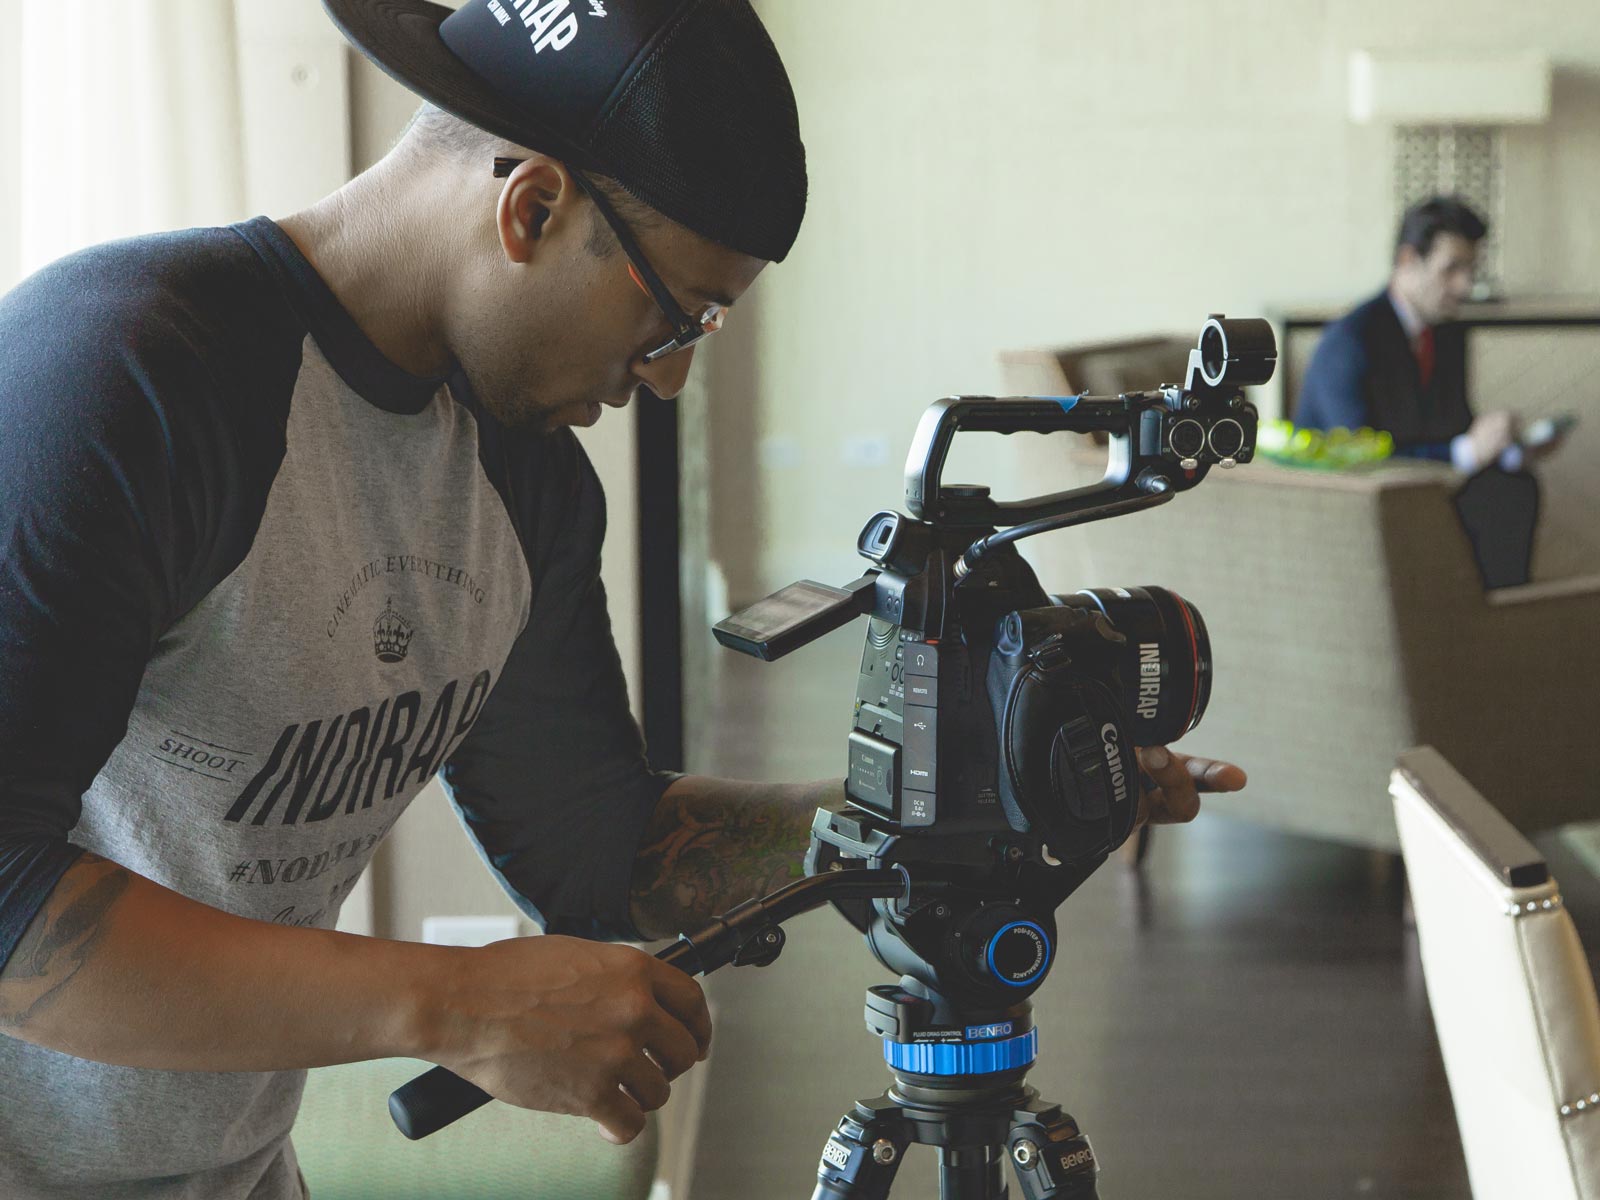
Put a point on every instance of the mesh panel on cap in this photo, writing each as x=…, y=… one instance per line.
x=707, y=133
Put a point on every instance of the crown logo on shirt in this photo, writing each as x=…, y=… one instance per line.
x=391, y=635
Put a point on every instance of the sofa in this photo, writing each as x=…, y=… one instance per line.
x=1347, y=623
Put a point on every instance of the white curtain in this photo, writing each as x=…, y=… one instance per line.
x=124, y=119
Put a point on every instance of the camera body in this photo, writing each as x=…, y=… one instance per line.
x=991, y=750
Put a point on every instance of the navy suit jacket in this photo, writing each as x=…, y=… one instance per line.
x=1364, y=373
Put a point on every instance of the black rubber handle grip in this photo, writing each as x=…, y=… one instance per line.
x=433, y=1100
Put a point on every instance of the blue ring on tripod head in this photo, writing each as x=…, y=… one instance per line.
x=1049, y=953
x=962, y=1058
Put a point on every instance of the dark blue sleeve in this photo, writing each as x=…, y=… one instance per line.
x=1333, y=395
x=553, y=781
x=114, y=502
x=1438, y=451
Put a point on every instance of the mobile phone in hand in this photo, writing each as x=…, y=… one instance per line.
x=1546, y=430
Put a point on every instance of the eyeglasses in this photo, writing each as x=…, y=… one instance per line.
x=686, y=330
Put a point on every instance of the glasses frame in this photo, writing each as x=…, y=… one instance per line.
x=686, y=330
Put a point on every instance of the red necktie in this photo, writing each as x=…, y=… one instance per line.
x=1425, y=355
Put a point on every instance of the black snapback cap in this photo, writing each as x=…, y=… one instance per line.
x=684, y=102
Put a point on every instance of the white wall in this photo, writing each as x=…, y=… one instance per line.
x=293, y=104
x=142, y=94
x=1049, y=171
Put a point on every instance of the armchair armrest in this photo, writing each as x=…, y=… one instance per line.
x=1552, y=589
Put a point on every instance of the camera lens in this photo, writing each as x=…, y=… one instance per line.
x=1165, y=669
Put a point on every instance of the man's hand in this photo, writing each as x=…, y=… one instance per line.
x=565, y=1025
x=1491, y=435
x=1535, y=454
x=1179, y=779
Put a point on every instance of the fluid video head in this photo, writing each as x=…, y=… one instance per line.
x=991, y=746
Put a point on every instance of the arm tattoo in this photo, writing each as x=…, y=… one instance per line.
x=713, y=844
x=57, y=942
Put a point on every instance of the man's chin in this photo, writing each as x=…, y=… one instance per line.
x=574, y=414
x=583, y=414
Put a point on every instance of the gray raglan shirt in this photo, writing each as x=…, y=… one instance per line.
x=257, y=586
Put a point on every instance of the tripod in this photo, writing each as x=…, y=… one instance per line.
x=957, y=1087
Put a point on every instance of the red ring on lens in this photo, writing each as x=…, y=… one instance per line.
x=1194, y=653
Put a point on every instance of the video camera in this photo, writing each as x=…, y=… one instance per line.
x=991, y=747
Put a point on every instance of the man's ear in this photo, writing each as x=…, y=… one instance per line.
x=538, y=197
x=1406, y=256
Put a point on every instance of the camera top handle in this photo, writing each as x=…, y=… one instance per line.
x=1161, y=441
x=928, y=500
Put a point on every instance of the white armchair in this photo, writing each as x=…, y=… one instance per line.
x=1512, y=997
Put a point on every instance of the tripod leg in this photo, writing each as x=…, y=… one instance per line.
x=1052, y=1157
x=862, y=1156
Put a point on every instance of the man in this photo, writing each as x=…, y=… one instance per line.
x=1398, y=363
x=291, y=519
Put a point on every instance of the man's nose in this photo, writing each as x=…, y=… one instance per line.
x=666, y=376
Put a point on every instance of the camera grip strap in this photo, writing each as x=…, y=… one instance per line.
x=1067, y=760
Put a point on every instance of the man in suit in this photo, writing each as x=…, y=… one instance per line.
x=1398, y=362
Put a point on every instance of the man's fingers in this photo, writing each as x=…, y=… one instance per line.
x=1173, y=783
x=671, y=1045
x=1172, y=804
x=1213, y=775
x=619, y=1116
x=620, y=1111
x=643, y=1080
x=1168, y=808
x=1166, y=771
x=683, y=998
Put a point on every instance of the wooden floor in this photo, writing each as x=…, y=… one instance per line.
x=1247, y=1018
